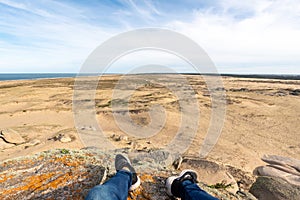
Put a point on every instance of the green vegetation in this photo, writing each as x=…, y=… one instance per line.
x=64, y=151
x=222, y=185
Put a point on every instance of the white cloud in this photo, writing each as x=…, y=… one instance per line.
x=268, y=37
x=14, y=4
x=251, y=36
x=49, y=42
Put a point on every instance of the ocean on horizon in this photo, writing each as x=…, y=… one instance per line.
x=30, y=76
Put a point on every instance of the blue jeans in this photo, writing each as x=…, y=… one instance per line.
x=191, y=191
x=115, y=188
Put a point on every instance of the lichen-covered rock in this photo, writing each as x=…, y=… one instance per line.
x=274, y=188
x=70, y=174
x=60, y=174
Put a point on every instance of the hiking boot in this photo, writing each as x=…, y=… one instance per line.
x=173, y=182
x=123, y=163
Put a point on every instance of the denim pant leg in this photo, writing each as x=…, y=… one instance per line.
x=116, y=188
x=191, y=191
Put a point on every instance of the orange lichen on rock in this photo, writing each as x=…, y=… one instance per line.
x=4, y=178
x=147, y=178
x=144, y=192
x=59, y=181
x=68, y=161
x=49, y=175
x=32, y=183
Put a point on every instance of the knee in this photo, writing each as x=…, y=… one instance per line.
x=97, y=193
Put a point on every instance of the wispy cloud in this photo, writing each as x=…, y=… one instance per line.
x=240, y=36
x=47, y=38
x=266, y=38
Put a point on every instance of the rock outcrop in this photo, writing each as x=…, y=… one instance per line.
x=70, y=174
x=11, y=136
x=279, y=180
x=274, y=188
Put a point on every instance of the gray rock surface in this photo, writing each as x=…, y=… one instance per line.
x=274, y=188
x=278, y=171
x=280, y=179
x=282, y=167
x=290, y=163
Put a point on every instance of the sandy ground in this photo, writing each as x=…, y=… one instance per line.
x=262, y=116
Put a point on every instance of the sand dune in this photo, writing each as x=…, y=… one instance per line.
x=262, y=116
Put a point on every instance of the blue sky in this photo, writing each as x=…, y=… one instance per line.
x=257, y=36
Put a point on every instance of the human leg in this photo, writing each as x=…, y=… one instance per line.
x=185, y=187
x=191, y=191
x=117, y=187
